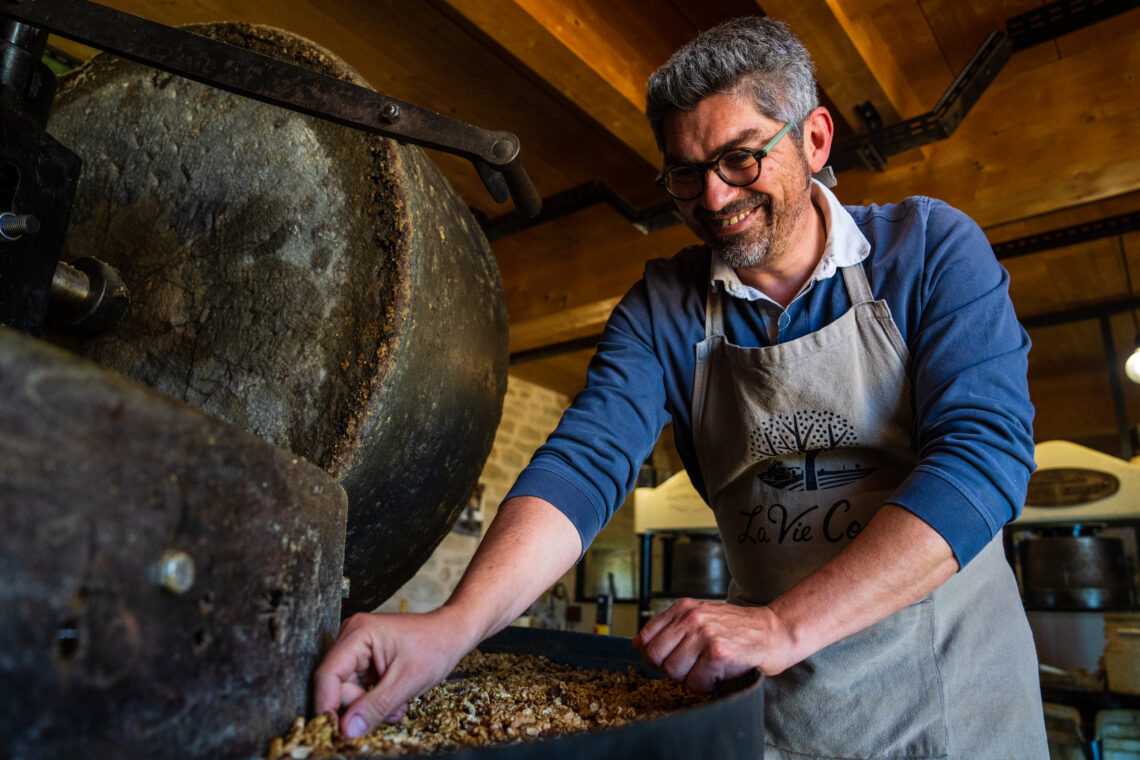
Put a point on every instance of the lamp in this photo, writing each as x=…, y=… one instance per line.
x=1132, y=364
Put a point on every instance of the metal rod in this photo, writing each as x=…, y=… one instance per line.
x=1117, y=391
x=260, y=77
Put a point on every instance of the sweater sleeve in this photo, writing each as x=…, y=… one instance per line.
x=969, y=358
x=590, y=463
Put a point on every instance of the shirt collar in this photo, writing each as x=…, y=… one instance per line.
x=846, y=245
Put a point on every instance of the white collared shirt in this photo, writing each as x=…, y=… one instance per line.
x=845, y=245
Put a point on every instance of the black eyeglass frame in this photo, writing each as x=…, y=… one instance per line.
x=757, y=153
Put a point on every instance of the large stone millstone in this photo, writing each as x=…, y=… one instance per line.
x=320, y=287
x=169, y=582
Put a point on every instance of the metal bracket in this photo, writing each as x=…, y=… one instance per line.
x=873, y=148
x=496, y=155
x=1060, y=17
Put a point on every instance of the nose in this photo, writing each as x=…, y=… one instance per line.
x=717, y=193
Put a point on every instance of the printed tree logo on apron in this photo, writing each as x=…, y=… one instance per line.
x=808, y=432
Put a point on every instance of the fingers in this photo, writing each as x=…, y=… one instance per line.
x=702, y=643
x=383, y=704
x=337, y=681
x=661, y=635
x=404, y=655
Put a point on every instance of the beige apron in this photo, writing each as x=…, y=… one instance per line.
x=800, y=444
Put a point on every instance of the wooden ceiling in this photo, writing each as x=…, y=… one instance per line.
x=1051, y=143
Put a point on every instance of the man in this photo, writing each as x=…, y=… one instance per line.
x=847, y=389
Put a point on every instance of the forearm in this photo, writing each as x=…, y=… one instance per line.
x=895, y=561
x=529, y=545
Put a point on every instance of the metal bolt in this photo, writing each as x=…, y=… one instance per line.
x=345, y=584
x=390, y=112
x=174, y=571
x=14, y=226
x=504, y=149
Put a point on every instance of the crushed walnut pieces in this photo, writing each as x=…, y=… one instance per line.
x=496, y=699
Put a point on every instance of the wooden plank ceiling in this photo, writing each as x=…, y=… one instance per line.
x=1051, y=143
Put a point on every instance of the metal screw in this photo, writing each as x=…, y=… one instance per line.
x=390, y=112
x=14, y=226
x=174, y=571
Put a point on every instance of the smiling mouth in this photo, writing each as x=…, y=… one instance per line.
x=736, y=219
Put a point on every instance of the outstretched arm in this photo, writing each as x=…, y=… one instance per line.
x=528, y=547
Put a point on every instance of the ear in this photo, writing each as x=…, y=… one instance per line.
x=818, y=133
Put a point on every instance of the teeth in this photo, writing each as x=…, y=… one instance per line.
x=734, y=220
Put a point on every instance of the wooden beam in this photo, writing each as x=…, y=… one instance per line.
x=1038, y=141
x=577, y=262
x=843, y=70
x=861, y=28
x=562, y=326
x=570, y=46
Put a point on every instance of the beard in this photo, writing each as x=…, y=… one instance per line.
x=747, y=248
x=766, y=237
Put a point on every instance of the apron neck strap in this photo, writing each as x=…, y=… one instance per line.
x=858, y=289
x=714, y=312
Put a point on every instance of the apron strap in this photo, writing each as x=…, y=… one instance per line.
x=714, y=312
x=858, y=289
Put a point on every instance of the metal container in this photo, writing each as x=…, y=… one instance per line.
x=1075, y=572
x=699, y=568
x=730, y=727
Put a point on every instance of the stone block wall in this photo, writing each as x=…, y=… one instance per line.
x=530, y=413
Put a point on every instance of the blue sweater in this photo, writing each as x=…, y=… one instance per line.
x=948, y=296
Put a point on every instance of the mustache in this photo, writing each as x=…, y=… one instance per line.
x=757, y=200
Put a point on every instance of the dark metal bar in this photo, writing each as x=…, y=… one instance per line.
x=1077, y=233
x=575, y=199
x=38, y=177
x=1122, y=431
x=1079, y=315
x=1061, y=17
x=251, y=75
x=644, y=579
x=555, y=349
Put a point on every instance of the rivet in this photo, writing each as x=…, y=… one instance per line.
x=174, y=571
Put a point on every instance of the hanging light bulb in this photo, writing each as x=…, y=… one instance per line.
x=1132, y=363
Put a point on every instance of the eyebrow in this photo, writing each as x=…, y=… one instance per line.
x=747, y=136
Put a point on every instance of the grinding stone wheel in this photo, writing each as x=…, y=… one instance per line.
x=169, y=582
x=320, y=287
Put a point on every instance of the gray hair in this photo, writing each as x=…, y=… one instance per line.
x=755, y=57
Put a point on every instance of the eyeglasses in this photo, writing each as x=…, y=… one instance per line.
x=736, y=166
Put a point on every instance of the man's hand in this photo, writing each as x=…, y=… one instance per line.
x=896, y=560
x=528, y=547
x=705, y=642
x=403, y=655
